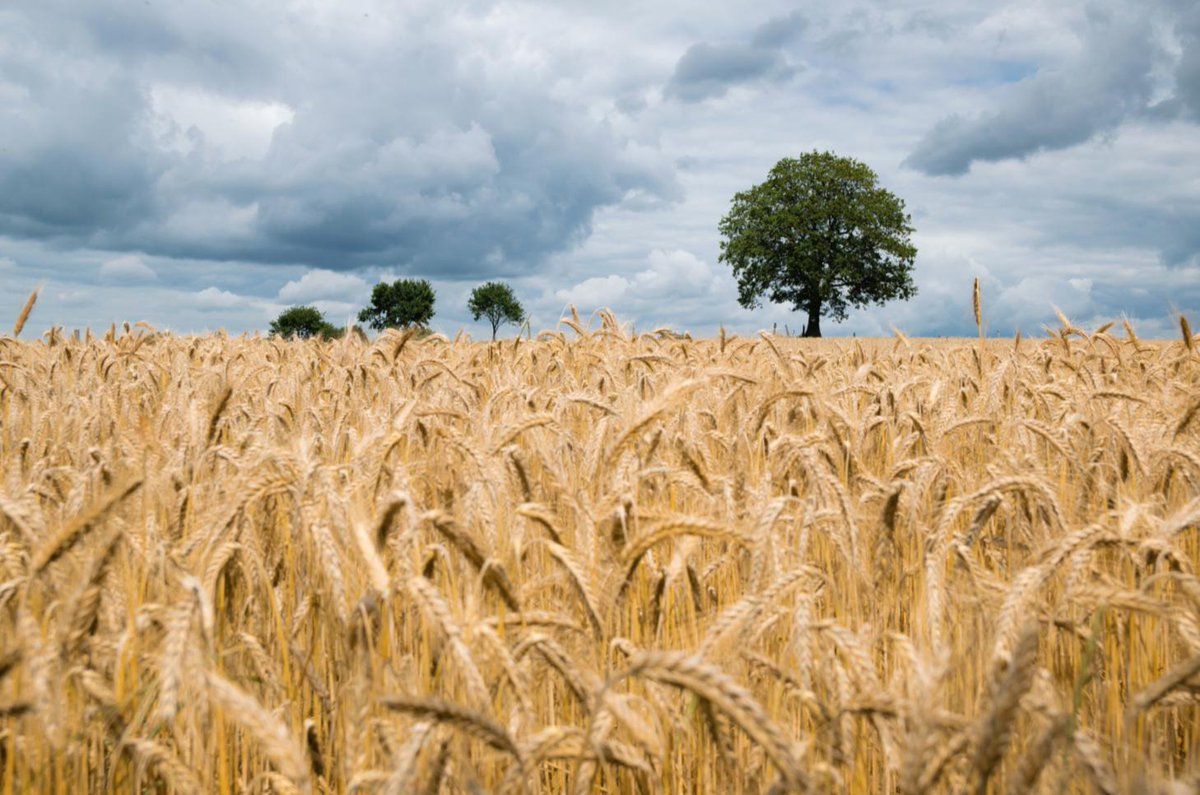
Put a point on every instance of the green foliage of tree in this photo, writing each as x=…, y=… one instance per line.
x=403, y=303
x=304, y=322
x=496, y=302
x=820, y=234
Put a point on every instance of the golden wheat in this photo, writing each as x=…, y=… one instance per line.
x=599, y=562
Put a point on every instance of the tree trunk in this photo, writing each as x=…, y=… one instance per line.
x=813, y=329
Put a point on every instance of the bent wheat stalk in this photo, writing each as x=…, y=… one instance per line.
x=722, y=692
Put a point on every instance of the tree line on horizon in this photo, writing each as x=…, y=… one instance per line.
x=404, y=303
x=819, y=233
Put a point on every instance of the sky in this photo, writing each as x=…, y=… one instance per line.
x=206, y=164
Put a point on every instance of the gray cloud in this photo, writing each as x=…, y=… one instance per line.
x=1107, y=83
x=1174, y=231
x=455, y=167
x=708, y=70
x=127, y=268
x=76, y=155
x=779, y=31
x=1186, y=101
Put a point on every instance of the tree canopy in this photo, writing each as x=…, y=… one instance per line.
x=303, y=322
x=404, y=302
x=819, y=234
x=496, y=302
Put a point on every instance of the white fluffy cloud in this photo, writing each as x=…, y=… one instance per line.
x=186, y=118
x=671, y=287
x=597, y=292
x=324, y=285
x=127, y=268
x=669, y=275
x=676, y=273
x=211, y=298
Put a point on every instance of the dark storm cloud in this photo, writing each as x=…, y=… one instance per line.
x=404, y=148
x=75, y=155
x=1108, y=82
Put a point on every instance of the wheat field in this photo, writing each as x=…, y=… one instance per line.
x=599, y=562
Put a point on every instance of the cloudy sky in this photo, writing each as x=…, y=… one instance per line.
x=205, y=164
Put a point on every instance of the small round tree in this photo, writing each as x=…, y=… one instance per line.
x=303, y=322
x=496, y=302
x=404, y=302
x=821, y=235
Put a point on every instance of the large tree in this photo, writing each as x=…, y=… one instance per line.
x=404, y=302
x=303, y=322
x=496, y=302
x=819, y=234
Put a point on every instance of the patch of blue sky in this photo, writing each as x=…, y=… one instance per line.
x=993, y=73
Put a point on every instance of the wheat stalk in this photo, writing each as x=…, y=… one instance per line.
x=993, y=731
x=440, y=616
x=177, y=774
x=25, y=310
x=800, y=514
x=470, y=722
x=579, y=578
x=1036, y=757
x=711, y=684
x=268, y=730
x=73, y=531
x=977, y=306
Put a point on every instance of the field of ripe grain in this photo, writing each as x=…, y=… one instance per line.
x=592, y=562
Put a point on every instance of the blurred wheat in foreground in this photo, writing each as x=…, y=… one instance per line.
x=599, y=563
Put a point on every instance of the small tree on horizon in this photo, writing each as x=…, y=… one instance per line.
x=497, y=302
x=819, y=234
x=304, y=322
x=403, y=303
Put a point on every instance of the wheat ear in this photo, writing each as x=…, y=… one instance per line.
x=494, y=574
x=1175, y=677
x=74, y=530
x=468, y=721
x=404, y=775
x=177, y=774
x=1038, y=754
x=975, y=302
x=637, y=548
x=1088, y=752
x=438, y=611
x=85, y=609
x=579, y=578
x=332, y=564
x=663, y=403
x=994, y=729
x=538, y=514
x=710, y=683
x=174, y=651
x=25, y=310
x=746, y=608
x=558, y=659
x=265, y=727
